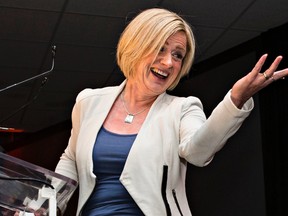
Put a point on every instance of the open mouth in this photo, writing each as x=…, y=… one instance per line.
x=158, y=73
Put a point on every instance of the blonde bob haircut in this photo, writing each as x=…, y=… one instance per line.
x=146, y=34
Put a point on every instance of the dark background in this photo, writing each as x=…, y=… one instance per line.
x=247, y=177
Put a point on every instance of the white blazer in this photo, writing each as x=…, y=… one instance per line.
x=174, y=132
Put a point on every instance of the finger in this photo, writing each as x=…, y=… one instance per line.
x=270, y=71
x=280, y=74
x=257, y=68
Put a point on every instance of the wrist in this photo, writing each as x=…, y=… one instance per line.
x=237, y=102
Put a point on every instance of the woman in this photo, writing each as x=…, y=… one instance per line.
x=130, y=144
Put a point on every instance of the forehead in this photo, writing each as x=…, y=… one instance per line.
x=177, y=40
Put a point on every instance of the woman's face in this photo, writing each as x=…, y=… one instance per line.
x=159, y=74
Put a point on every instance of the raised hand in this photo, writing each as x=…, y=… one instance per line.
x=254, y=81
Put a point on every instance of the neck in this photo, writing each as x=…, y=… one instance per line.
x=136, y=98
x=135, y=103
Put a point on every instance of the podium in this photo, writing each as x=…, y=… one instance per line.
x=28, y=190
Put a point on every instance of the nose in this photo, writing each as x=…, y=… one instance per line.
x=166, y=59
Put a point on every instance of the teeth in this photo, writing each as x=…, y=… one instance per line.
x=159, y=72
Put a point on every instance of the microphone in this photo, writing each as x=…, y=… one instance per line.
x=34, y=77
x=53, y=51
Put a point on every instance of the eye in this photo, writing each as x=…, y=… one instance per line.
x=178, y=56
x=162, y=49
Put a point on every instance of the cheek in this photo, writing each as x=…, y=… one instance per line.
x=177, y=68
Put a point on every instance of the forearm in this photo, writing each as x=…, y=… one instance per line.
x=200, y=147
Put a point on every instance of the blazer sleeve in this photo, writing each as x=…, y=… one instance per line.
x=67, y=163
x=200, y=139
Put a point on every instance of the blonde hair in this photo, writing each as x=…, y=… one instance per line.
x=146, y=34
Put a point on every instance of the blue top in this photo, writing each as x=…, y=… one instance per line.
x=109, y=196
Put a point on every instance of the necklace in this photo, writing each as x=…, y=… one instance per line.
x=129, y=118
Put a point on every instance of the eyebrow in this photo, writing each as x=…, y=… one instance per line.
x=180, y=48
x=177, y=47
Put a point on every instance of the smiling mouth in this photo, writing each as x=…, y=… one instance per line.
x=158, y=73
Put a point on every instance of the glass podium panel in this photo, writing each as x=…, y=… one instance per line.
x=27, y=189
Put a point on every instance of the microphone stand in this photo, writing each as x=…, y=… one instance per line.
x=34, y=77
x=24, y=81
